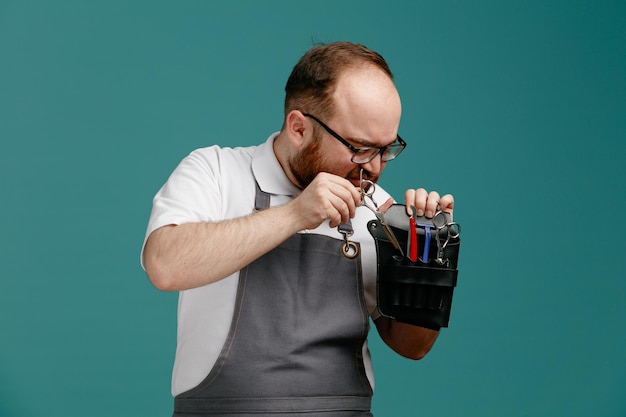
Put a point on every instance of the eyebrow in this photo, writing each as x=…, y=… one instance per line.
x=364, y=143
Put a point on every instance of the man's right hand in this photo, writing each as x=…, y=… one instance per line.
x=327, y=197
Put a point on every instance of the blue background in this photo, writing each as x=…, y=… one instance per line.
x=516, y=107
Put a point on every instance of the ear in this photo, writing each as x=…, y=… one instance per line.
x=297, y=128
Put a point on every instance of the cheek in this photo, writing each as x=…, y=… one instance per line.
x=339, y=159
x=342, y=167
x=335, y=158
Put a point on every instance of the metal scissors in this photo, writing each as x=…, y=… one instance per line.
x=452, y=231
x=367, y=192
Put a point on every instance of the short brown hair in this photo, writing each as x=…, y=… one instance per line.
x=313, y=79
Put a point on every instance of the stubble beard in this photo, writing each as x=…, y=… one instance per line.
x=307, y=164
x=310, y=161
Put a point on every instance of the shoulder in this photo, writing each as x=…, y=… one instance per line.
x=216, y=158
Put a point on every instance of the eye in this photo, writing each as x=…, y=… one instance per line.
x=364, y=155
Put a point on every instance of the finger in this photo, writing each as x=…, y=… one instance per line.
x=343, y=196
x=447, y=203
x=336, y=210
x=431, y=204
x=419, y=200
x=350, y=196
x=334, y=221
x=343, y=208
x=347, y=191
x=409, y=200
x=355, y=200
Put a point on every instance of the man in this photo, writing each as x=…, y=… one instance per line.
x=272, y=317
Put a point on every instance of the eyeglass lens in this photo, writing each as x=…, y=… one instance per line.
x=365, y=155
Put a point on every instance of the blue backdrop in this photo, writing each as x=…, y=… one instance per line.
x=516, y=107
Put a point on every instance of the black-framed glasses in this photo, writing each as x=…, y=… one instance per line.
x=367, y=153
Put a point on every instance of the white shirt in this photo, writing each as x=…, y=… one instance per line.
x=213, y=184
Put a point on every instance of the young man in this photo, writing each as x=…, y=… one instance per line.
x=272, y=317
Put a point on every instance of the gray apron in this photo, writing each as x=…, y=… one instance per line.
x=295, y=344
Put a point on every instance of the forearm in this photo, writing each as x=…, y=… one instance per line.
x=195, y=254
x=410, y=341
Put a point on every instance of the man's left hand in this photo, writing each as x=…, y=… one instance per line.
x=427, y=203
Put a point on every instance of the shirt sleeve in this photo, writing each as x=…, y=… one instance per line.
x=191, y=193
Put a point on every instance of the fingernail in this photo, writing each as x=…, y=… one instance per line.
x=429, y=214
x=420, y=212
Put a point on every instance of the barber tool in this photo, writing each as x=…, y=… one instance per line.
x=444, y=226
x=416, y=222
x=427, y=235
x=412, y=239
x=367, y=192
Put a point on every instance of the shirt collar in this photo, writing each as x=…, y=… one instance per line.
x=268, y=172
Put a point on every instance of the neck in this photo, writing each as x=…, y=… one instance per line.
x=281, y=150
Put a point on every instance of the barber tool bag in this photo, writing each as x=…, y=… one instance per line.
x=416, y=292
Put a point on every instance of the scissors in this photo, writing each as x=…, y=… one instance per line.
x=452, y=231
x=367, y=192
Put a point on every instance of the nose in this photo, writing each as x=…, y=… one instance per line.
x=375, y=166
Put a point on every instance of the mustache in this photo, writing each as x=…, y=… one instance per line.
x=355, y=174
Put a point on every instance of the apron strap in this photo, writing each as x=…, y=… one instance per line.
x=262, y=199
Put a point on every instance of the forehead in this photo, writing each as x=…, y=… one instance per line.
x=367, y=106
